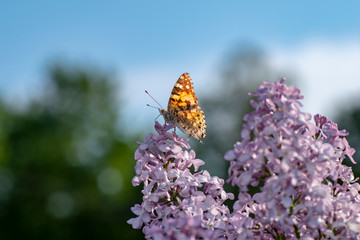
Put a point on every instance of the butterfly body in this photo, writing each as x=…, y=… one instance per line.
x=183, y=109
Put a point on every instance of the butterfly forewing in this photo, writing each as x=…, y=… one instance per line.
x=184, y=110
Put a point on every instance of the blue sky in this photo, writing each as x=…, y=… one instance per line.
x=151, y=43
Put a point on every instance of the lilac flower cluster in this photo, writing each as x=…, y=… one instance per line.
x=303, y=190
x=177, y=204
x=292, y=183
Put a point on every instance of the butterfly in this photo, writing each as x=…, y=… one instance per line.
x=183, y=109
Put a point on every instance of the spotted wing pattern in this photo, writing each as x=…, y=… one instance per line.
x=183, y=109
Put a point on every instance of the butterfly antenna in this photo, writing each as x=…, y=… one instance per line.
x=151, y=106
x=152, y=99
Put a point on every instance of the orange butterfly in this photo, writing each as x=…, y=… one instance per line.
x=183, y=109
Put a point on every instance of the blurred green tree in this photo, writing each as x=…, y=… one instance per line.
x=349, y=119
x=242, y=71
x=65, y=167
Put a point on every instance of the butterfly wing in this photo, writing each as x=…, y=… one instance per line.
x=183, y=106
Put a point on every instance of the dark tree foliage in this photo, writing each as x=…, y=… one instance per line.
x=349, y=119
x=65, y=168
x=241, y=72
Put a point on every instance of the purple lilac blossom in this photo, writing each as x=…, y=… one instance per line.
x=292, y=183
x=304, y=190
x=177, y=204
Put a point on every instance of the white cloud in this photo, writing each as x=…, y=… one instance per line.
x=329, y=73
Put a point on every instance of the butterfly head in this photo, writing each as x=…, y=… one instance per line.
x=167, y=116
